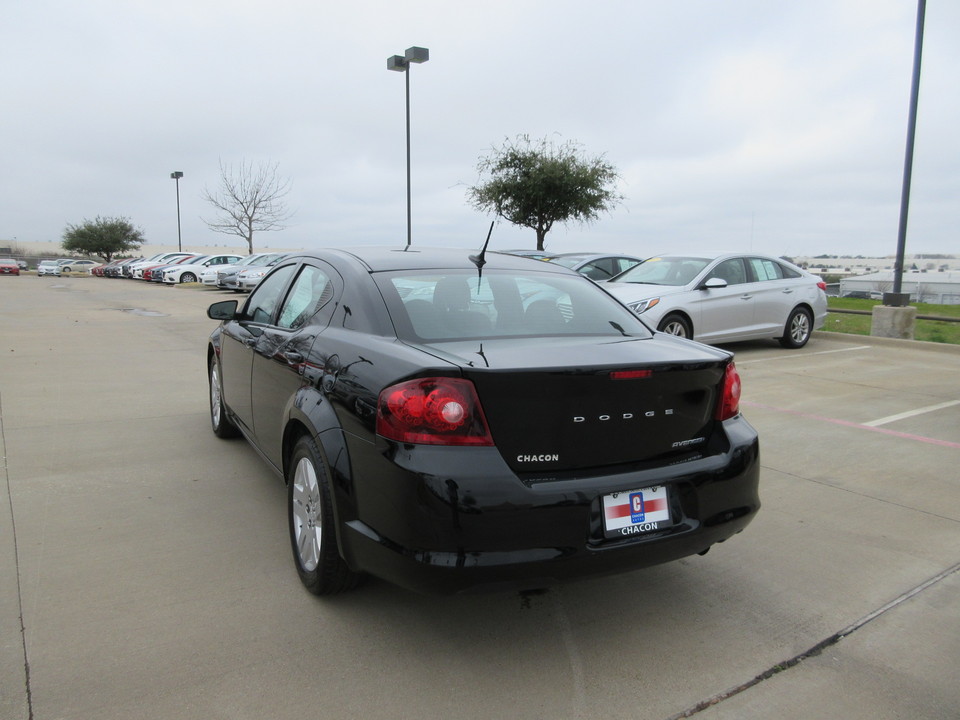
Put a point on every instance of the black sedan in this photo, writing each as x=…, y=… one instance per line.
x=450, y=421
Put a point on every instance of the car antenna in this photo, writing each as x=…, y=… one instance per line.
x=480, y=260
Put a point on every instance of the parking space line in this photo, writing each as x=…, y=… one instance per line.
x=799, y=356
x=911, y=413
x=847, y=423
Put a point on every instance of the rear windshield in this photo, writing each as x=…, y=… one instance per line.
x=429, y=306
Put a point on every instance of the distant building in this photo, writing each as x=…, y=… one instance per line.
x=940, y=288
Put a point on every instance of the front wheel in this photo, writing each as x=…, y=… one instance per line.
x=675, y=324
x=188, y=277
x=312, y=533
x=797, y=331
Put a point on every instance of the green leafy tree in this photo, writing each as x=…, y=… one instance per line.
x=103, y=237
x=535, y=183
x=250, y=199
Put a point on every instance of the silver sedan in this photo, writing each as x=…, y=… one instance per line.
x=724, y=298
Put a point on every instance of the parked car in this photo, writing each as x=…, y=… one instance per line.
x=99, y=269
x=48, y=267
x=147, y=273
x=208, y=275
x=78, y=266
x=118, y=270
x=9, y=266
x=155, y=273
x=250, y=276
x=227, y=277
x=533, y=254
x=596, y=266
x=725, y=298
x=189, y=271
x=135, y=270
x=485, y=437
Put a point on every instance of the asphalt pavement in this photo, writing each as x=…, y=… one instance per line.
x=145, y=569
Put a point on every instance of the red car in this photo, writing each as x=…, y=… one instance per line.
x=8, y=266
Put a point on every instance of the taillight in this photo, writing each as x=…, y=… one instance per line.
x=432, y=411
x=729, y=404
x=822, y=285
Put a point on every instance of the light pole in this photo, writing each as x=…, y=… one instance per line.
x=402, y=64
x=898, y=298
x=176, y=175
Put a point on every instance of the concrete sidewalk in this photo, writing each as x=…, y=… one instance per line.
x=145, y=569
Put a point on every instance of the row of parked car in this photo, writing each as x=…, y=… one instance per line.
x=711, y=298
x=228, y=271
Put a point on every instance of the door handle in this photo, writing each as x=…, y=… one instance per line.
x=293, y=358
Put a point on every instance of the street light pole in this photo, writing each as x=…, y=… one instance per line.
x=402, y=64
x=176, y=176
x=898, y=298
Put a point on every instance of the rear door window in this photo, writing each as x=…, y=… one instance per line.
x=310, y=292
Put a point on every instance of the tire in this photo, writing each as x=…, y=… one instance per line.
x=188, y=277
x=798, y=329
x=676, y=324
x=313, y=535
x=223, y=426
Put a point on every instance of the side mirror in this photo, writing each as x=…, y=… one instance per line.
x=224, y=310
x=713, y=283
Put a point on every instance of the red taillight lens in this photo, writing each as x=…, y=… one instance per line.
x=729, y=405
x=432, y=411
x=822, y=285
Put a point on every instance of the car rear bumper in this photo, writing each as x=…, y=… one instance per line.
x=442, y=534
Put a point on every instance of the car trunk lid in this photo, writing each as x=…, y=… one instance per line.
x=576, y=403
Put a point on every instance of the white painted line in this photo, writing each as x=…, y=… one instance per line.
x=793, y=355
x=910, y=414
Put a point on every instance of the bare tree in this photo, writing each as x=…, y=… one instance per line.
x=250, y=199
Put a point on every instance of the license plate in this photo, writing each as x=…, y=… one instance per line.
x=635, y=512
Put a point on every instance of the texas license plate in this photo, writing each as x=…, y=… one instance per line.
x=634, y=512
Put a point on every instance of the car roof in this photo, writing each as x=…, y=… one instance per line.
x=716, y=256
x=591, y=256
x=394, y=258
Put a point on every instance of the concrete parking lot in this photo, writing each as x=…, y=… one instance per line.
x=145, y=570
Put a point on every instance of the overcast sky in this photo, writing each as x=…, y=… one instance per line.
x=761, y=125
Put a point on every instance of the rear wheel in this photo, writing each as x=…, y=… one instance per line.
x=313, y=536
x=223, y=427
x=798, y=329
x=675, y=324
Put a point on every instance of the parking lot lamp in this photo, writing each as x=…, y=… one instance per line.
x=402, y=64
x=176, y=175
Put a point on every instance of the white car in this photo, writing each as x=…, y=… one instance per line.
x=48, y=267
x=248, y=278
x=136, y=269
x=190, y=270
x=724, y=298
x=208, y=276
x=78, y=265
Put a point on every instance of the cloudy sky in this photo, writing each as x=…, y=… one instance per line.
x=766, y=125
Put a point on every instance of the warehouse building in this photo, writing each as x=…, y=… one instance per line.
x=940, y=288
